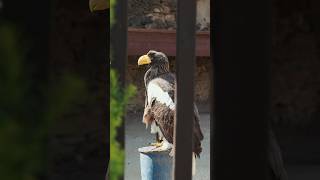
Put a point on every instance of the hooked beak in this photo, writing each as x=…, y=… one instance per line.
x=145, y=59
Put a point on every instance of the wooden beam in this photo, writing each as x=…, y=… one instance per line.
x=142, y=40
x=185, y=65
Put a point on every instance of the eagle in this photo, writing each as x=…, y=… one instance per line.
x=160, y=105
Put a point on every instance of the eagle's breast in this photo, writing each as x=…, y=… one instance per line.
x=157, y=89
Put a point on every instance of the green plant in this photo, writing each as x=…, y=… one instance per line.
x=27, y=108
x=112, y=4
x=118, y=100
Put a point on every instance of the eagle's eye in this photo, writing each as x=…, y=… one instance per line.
x=152, y=53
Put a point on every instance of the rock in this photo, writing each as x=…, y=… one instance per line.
x=170, y=17
x=156, y=10
x=160, y=24
x=159, y=11
x=171, y=25
x=166, y=9
x=146, y=20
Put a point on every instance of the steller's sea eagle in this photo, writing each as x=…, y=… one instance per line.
x=159, y=109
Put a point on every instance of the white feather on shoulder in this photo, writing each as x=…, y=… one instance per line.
x=155, y=91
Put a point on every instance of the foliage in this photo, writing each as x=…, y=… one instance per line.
x=98, y=5
x=118, y=101
x=112, y=4
x=27, y=108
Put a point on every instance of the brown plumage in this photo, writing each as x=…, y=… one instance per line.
x=164, y=118
x=160, y=107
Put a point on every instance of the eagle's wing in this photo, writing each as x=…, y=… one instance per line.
x=146, y=114
x=164, y=118
x=161, y=90
x=161, y=101
x=197, y=133
x=275, y=158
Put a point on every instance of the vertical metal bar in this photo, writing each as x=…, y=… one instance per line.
x=241, y=49
x=119, y=40
x=118, y=51
x=108, y=92
x=184, y=90
x=211, y=92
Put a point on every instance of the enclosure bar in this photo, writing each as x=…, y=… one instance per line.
x=242, y=52
x=184, y=91
x=119, y=39
x=118, y=51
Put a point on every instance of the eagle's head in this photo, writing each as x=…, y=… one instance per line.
x=154, y=59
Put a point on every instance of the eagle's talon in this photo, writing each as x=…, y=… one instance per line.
x=156, y=144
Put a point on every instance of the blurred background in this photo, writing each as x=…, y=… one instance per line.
x=296, y=85
x=53, y=92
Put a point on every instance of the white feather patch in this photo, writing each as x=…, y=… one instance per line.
x=166, y=145
x=193, y=164
x=154, y=128
x=155, y=91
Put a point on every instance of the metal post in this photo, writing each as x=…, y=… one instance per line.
x=119, y=40
x=184, y=91
x=241, y=47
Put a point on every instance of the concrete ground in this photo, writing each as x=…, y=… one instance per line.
x=137, y=136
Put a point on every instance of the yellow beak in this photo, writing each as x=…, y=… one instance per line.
x=144, y=60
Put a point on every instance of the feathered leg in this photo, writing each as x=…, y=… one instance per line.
x=158, y=142
x=193, y=164
x=172, y=152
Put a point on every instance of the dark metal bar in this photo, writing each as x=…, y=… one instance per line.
x=106, y=14
x=211, y=92
x=241, y=49
x=118, y=51
x=118, y=39
x=184, y=91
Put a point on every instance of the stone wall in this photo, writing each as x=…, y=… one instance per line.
x=161, y=14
